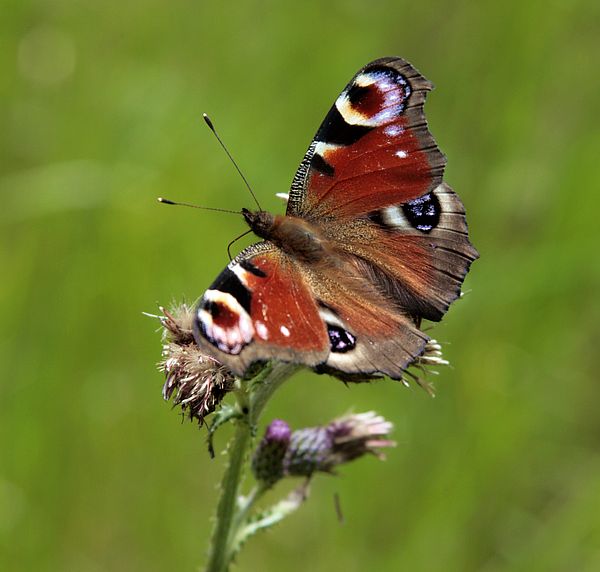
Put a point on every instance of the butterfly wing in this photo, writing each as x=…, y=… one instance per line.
x=260, y=308
x=372, y=178
x=371, y=182
x=373, y=148
x=267, y=305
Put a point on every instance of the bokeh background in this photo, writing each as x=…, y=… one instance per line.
x=100, y=113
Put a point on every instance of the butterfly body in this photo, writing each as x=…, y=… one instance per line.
x=372, y=242
x=295, y=236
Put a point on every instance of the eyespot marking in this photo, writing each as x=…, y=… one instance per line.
x=374, y=98
x=223, y=321
x=340, y=340
x=423, y=213
x=356, y=93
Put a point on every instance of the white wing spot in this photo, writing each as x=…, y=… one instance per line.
x=394, y=217
x=402, y=154
x=242, y=274
x=322, y=148
x=284, y=331
x=261, y=330
x=393, y=130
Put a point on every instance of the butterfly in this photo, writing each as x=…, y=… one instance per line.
x=372, y=242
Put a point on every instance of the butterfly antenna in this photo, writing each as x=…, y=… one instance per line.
x=234, y=241
x=169, y=202
x=212, y=128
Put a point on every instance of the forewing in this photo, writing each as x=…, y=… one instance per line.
x=259, y=308
x=373, y=149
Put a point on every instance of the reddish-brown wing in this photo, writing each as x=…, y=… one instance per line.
x=370, y=186
x=372, y=180
x=260, y=307
x=267, y=305
x=372, y=150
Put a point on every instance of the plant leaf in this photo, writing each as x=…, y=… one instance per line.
x=271, y=516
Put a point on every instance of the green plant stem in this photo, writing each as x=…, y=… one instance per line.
x=218, y=558
x=253, y=396
x=265, y=388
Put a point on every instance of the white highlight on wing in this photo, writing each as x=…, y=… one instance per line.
x=342, y=360
x=394, y=217
x=284, y=331
x=237, y=269
x=450, y=208
x=393, y=130
x=261, y=330
x=330, y=318
x=447, y=200
x=347, y=111
x=402, y=154
x=367, y=79
x=322, y=148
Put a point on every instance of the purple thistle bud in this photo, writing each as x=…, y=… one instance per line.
x=282, y=453
x=345, y=439
x=309, y=451
x=267, y=462
x=196, y=382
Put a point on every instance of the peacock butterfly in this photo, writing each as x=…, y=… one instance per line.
x=372, y=242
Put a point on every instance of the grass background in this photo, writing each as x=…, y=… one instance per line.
x=100, y=114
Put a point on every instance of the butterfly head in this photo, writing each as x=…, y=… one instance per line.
x=261, y=222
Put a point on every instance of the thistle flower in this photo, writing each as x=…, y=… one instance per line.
x=196, y=382
x=318, y=449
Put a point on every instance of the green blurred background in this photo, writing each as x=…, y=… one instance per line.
x=100, y=114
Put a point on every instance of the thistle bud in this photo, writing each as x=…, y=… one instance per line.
x=267, y=462
x=318, y=449
x=343, y=440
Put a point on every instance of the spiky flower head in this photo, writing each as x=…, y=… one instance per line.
x=194, y=381
x=319, y=449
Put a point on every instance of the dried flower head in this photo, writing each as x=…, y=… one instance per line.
x=177, y=324
x=319, y=449
x=196, y=382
